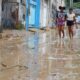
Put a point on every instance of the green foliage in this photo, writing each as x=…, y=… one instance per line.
x=76, y=5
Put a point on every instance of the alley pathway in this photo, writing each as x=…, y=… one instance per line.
x=39, y=56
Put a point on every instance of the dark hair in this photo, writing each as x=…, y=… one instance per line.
x=64, y=7
x=70, y=9
x=60, y=7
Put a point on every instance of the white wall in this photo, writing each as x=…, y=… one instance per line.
x=21, y=11
x=43, y=13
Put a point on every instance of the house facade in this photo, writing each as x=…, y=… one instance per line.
x=38, y=13
x=12, y=12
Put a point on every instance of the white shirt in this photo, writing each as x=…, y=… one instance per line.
x=70, y=16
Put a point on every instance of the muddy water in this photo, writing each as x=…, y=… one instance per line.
x=39, y=56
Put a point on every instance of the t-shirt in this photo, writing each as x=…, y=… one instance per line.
x=70, y=16
x=61, y=18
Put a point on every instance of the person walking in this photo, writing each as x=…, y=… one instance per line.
x=70, y=22
x=60, y=21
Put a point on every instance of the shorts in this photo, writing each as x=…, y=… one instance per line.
x=70, y=23
x=60, y=23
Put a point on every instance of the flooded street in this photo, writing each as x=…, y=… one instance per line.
x=39, y=55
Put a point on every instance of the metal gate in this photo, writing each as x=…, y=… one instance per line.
x=33, y=13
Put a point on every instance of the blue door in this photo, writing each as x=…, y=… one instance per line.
x=33, y=13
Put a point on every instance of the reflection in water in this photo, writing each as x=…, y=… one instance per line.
x=61, y=44
x=71, y=45
x=34, y=65
x=43, y=41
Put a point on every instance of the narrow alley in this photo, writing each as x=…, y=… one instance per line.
x=31, y=45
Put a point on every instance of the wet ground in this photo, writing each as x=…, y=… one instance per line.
x=39, y=55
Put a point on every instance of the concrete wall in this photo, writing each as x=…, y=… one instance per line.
x=7, y=19
x=0, y=10
x=21, y=8
x=12, y=7
x=44, y=13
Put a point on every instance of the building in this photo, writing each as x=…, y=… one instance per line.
x=13, y=12
x=33, y=13
x=48, y=12
x=38, y=13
